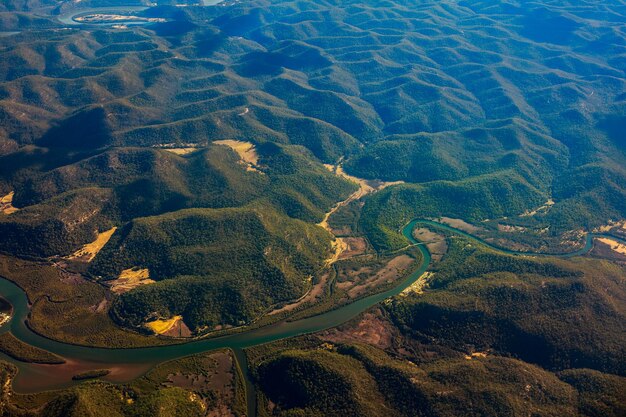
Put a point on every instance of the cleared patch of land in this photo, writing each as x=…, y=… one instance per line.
x=6, y=204
x=544, y=208
x=181, y=151
x=67, y=311
x=370, y=328
x=129, y=279
x=508, y=228
x=90, y=250
x=162, y=326
x=436, y=243
x=419, y=285
x=245, y=150
x=616, y=227
x=340, y=245
x=392, y=270
x=476, y=355
x=355, y=246
x=460, y=224
x=365, y=186
x=211, y=378
x=313, y=294
x=179, y=329
x=614, y=245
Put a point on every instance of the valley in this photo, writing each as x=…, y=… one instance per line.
x=137, y=360
x=278, y=208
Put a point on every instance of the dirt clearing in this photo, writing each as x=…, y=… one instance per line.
x=437, y=244
x=245, y=150
x=90, y=250
x=6, y=204
x=614, y=245
x=163, y=326
x=129, y=279
x=460, y=224
x=181, y=151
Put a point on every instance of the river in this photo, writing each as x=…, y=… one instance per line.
x=131, y=363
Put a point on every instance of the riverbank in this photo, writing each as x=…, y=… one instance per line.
x=136, y=361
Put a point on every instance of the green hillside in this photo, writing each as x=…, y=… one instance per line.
x=537, y=310
x=173, y=161
x=213, y=267
x=334, y=380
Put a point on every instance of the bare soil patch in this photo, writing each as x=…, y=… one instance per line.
x=179, y=329
x=419, y=285
x=354, y=246
x=460, y=224
x=129, y=279
x=181, y=151
x=89, y=251
x=371, y=328
x=610, y=249
x=218, y=376
x=394, y=269
x=544, y=208
x=437, y=244
x=507, y=228
x=6, y=204
x=245, y=150
x=162, y=326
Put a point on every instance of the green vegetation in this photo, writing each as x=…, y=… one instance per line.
x=536, y=310
x=67, y=307
x=238, y=261
x=599, y=394
x=21, y=351
x=96, y=373
x=481, y=111
x=134, y=183
x=474, y=199
x=100, y=399
x=318, y=378
x=212, y=376
x=320, y=383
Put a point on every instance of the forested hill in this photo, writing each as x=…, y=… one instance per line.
x=171, y=168
x=479, y=101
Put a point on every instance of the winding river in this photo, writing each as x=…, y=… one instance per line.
x=127, y=364
x=33, y=377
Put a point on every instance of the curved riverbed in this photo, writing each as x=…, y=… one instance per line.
x=130, y=363
x=33, y=377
